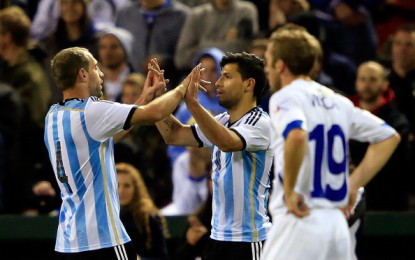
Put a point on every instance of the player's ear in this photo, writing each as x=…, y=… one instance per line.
x=249, y=85
x=82, y=75
x=280, y=66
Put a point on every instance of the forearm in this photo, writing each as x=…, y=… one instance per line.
x=168, y=127
x=175, y=133
x=294, y=152
x=159, y=108
x=219, y=135
x=375, y=158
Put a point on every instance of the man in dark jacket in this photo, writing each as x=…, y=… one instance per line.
x=387, y=191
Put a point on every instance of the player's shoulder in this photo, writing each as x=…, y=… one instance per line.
x=256, y=116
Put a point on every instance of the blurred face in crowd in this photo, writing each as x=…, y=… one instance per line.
x=95, y=77
x=273, y=76
x=125, y=188
x=222, y=4
x=110, y=51
x=130, y=94
x=210, y=74
x=370, y=81
x=5, y=39
x=71, y=10
x=152, y=4
x=403, y=50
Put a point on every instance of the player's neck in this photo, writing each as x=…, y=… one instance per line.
x=75, y=92
x=288, y=78
x=240, y=110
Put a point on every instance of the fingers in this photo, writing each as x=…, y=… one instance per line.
x=296, y=205
x=205, y=81
x=202, y=88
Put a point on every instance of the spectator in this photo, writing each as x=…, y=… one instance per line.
x=102, y=12
x=228, y=25
x=25, y=75
x=10, y=126
x=389, y=190
x=348, y=27
x=141, y=218
x=114, y=49
x=210, y=59
x=402, y=76
x=74, y=28
x=132, y=88
x=189, y=181
x=155, y=25
x=21, y=70
x=198, y=230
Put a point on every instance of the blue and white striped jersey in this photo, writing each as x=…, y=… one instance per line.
x=78, y=136
x=331, y=120
x=241, y=180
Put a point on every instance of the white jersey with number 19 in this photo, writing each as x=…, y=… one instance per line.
x=330, y=120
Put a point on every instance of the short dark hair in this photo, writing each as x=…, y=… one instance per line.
x=250, y=66
x=14, y=20
x=66, y=65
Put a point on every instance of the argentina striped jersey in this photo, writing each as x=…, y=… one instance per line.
x=78, y=136
x=241, y=179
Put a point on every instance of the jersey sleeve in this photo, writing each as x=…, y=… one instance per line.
x=104, y=119
x=367, y=127
x=288, y=113
x=255, y=134
x=200, y=137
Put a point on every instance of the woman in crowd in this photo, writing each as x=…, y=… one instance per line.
x=142, y=220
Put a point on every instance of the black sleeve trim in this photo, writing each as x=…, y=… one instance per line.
x=240, y=136
x=127, y=123
x=193, y=127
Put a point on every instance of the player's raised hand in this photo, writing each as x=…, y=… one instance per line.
x=159, y=81
x=194, y=84
x=296, y=205
x=192, y=89
x=152, y=85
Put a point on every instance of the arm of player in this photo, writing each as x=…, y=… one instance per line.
x=159, y=108
x=377, y=154
x=294, y=152
x=175, y=133
x=225, y=139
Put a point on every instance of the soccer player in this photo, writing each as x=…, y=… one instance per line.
x=78, y=136
x=240, y=139
x=312, y=126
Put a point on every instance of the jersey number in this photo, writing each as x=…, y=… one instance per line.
x=319, y=135
x=60, y=170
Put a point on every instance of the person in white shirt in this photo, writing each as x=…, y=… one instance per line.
x=312, y=126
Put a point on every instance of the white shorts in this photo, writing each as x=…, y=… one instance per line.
x=323, y=235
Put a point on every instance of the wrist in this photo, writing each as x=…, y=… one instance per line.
x=181, y=89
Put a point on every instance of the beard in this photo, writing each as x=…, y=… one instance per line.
x=228, y=104
x=369, y=96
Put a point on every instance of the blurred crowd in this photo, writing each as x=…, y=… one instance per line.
x=368, y=54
